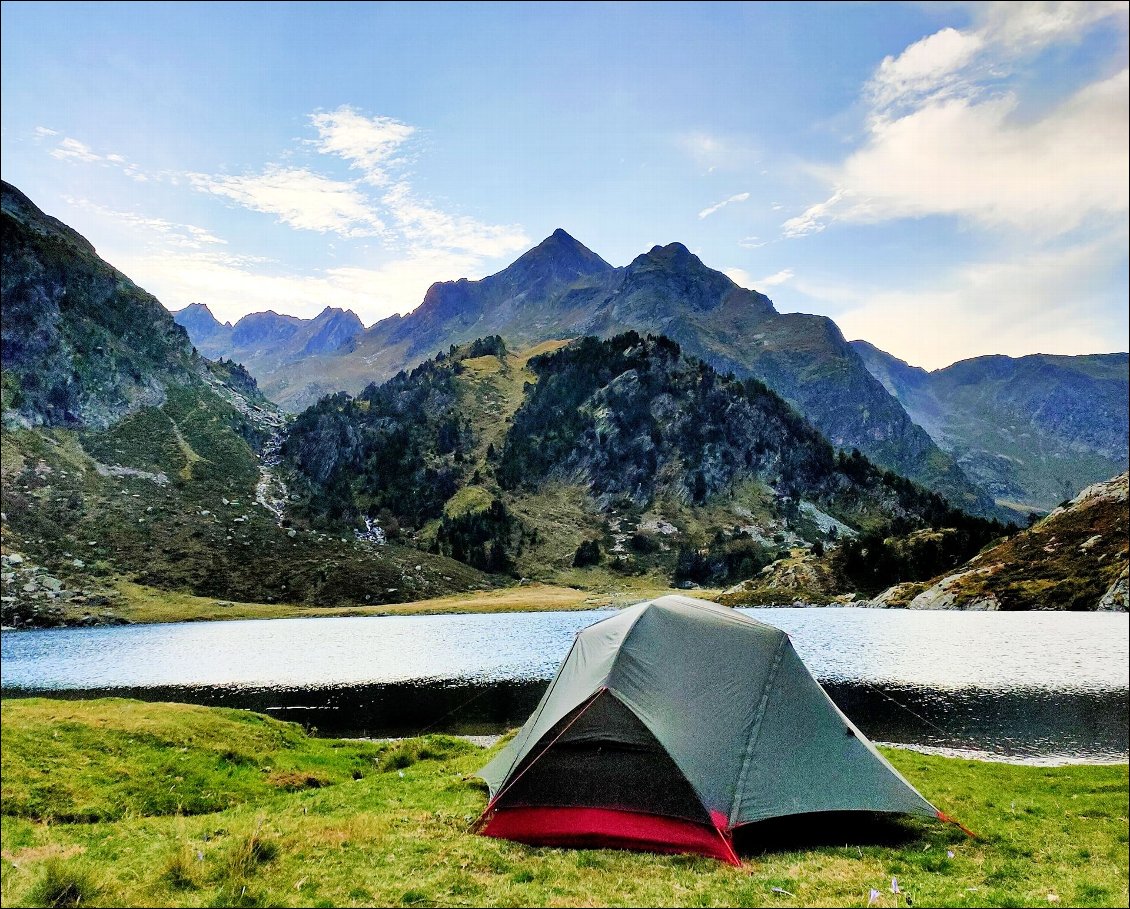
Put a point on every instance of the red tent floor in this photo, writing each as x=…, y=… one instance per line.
x=605, y=828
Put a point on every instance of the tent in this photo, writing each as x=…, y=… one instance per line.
x=672, y=723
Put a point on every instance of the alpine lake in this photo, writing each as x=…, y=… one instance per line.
x=1039, y=688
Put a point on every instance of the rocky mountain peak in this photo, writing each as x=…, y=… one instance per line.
x=20, y=208
x=559, y=257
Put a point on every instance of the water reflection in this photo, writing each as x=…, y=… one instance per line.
x=1050, y=686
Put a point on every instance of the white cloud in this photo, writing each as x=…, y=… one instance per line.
x=940, y=143
x=307, y=200
x=1052, y=302
x=780, y=277
x=707, y=212
x=73, y=150
x=429, y=228
x=1027, y=27
x=739, y=276
x=926, y=67
x=76, y=152
x=186, y=236
x=299, y=198
x=367, y=143
x=184, y=263
x=751, y=242
x=743, y=278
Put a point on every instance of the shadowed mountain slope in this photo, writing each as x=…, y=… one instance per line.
x=1033, y=430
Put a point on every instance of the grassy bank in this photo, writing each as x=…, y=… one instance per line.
x=143, y=604
x=120, y=803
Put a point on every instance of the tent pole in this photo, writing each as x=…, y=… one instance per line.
x=494, y=801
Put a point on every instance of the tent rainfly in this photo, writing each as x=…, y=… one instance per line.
x=672, y=723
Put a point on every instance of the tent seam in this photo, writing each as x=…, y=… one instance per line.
x=533, y=721
x=755, y=732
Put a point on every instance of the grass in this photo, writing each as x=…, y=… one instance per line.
x=390, y=827
x=141, y=604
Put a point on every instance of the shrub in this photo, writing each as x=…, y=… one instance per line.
x=588, y=553
x=64, y=884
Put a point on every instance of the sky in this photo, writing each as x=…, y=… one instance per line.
x=944, y=180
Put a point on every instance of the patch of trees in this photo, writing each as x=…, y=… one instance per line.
x=483, y=539
x=400, y=447
x=588, y=553
x=873, y=561
x=725, y=561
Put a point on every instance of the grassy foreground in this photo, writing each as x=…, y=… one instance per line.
x=114, y=802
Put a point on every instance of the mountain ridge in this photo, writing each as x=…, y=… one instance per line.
x=1033, y=430
x=561, y=289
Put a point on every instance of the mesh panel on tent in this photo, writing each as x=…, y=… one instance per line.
x=604, y=758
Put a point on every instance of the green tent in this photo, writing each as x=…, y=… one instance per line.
x=672, y=723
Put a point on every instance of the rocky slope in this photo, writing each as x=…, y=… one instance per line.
x=1032, y=431
x=1074, y=559
x=128, y=457
x=561, y=289
x=81, y=344
x=624, y=452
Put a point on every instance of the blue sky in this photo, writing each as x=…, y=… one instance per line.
x=945, y=180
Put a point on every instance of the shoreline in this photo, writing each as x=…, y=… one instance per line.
x=141, y=605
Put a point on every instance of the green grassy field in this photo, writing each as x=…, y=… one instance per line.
x=121, y=803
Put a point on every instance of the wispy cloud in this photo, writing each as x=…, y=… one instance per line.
x=713, y=152
x=779, y=277
x=751, y=242
x=369, y=144
x=1049, y=301
x=299, y=198
x=378, y=147
x=428, y=227
x=184, y=236
x=75, y=152
x=743, y=278
x=944, y=139
x=707, y=212
x=739, y=276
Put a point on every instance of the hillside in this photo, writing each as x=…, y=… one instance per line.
x=127, y=457
x=1032, y=431
x=1076, y=558
x=624, y=454
x=561, y=289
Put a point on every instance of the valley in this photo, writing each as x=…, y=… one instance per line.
x=144, y=481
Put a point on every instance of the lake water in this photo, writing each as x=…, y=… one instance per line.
x=1043, y=687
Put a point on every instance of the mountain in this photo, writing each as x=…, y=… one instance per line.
x=132, y=466
x=81, y=344
x=560, y=289
x=210, y=336
x=1076, y=558
x=541, y=461
x=1032, y=430
x=269, y=344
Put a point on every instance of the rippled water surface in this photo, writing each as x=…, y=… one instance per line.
x=1044, y=686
